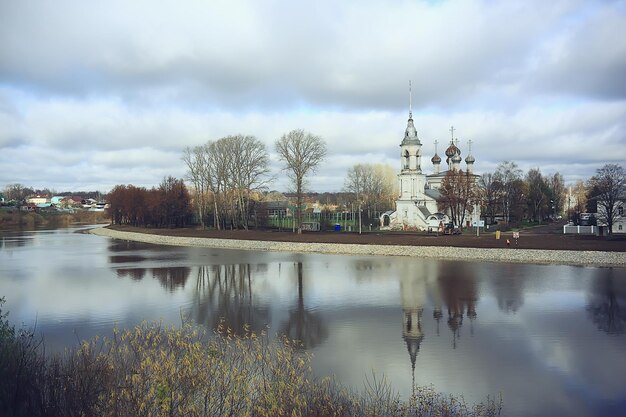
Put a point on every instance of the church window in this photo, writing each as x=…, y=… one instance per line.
x=619, y=227
x=620, y=210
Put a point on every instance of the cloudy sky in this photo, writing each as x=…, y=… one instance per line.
x=94, y=94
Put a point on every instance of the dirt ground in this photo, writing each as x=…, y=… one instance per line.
x=543, y=237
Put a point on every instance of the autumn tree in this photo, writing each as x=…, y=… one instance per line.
x=577, y=200
x=372, y=186
x=168, y=205
x=610, y=187
x=301, y=152
x=173, y=203
x=458, y=195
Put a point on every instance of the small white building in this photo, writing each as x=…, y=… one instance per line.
x=619, y=221
x=36, y=200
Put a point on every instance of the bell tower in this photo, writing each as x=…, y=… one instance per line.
x=411, y=179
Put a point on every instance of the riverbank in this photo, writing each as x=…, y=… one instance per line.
x=377, y=245
x=16, y=220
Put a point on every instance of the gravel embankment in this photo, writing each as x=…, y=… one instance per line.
x=585, y=258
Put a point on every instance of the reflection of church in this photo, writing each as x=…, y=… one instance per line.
x=457, y=293
x=416, y=206
x=412, y=292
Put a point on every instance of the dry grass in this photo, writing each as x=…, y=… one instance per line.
x=152, y=370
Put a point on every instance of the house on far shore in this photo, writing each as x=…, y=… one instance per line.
x=619, y=219
x=38, y=199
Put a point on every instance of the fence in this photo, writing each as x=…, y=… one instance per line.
x=580, y=230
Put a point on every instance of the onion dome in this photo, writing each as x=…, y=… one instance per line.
x=470, y=159
x=456, y=158
x=436, y=159
x=452, y=150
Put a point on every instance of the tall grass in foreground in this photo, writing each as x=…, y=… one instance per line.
x=153, y=370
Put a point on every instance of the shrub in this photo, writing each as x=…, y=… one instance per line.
x=152, y=370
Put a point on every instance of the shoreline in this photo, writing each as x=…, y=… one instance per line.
x=530, y=256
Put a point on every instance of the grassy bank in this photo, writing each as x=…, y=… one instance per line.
x=15, y=220
x=156, y=371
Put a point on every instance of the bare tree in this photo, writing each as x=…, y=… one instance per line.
x=537, y=197
x=17, y=192
x=508, y=175
x=557, y=193
x=197, y=166
x=301, y=152
x=610, y=187
x=489, y=189
x=357, y=182
x=372, y=186
x=230, y=170
x=249, y=170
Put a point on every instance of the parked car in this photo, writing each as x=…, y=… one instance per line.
x=451, y=229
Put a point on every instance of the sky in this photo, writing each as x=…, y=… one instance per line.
x=94, y=94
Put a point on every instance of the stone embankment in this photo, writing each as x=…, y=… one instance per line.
x=535, y=256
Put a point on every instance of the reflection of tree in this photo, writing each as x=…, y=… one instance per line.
x=172, y=278
x=169, y=278
x=14, y=241
x=303, y=325
x=510, y=291
x=458, y=291
x=223, y=295
x=118, y=245
x=607, y=303
x=136, y=274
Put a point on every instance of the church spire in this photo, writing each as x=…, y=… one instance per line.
x=410, y=101
x=410, y=134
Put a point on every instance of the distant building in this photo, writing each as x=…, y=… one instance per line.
x=36, y=200
x=619, y=221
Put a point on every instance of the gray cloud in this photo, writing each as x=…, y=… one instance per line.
x=126, y=86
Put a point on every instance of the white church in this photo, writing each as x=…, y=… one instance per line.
x=416, y=206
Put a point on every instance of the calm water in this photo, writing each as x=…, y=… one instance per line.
x=551, y=339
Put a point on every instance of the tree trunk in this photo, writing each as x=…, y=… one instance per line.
x=299, y=204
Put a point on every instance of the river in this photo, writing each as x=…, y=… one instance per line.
x=550, y=338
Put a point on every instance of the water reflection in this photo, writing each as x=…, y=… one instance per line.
x=556, y=334
x=223, y=295
x=169, y=278
x=136, y=274
x=413, y=297
x=172, y=278
x=11, y=240
x=607, y=303
x=303, y=325
x=458, y=290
